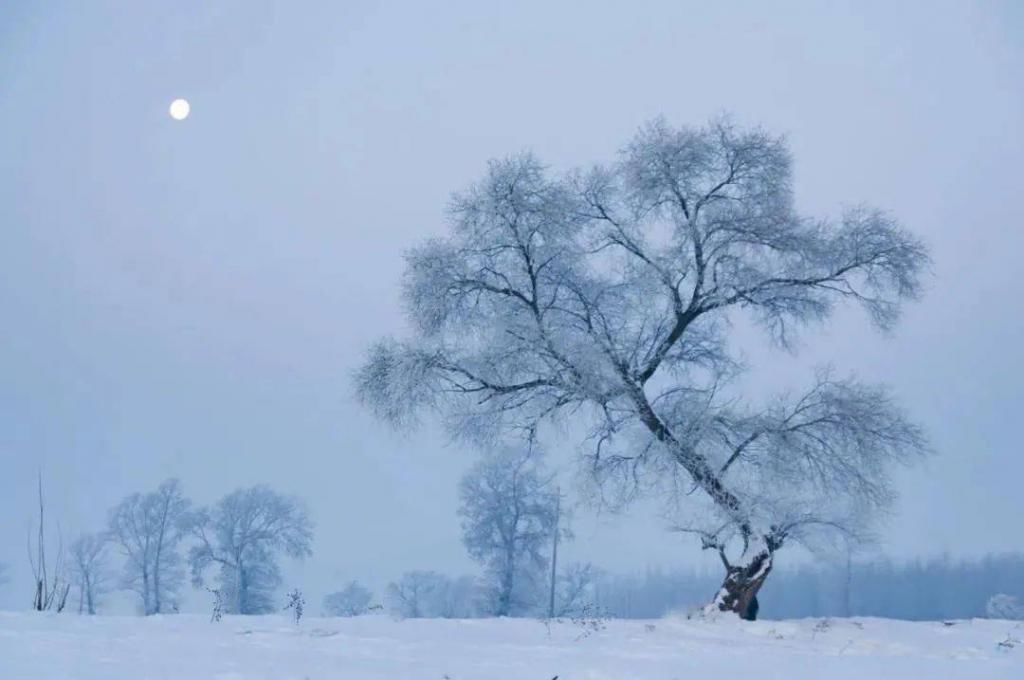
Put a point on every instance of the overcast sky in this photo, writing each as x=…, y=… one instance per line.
x=190, y=298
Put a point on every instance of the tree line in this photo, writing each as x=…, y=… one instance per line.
x=512, y=522
x=231, y=548
x=917, y=590
x=510, y=511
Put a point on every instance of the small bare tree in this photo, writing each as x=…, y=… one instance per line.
x=242, y=536
x=608, y=295
x=296, y=604
x=50, y=583
x=217, y=611
x=509, y=510
x=89, y=569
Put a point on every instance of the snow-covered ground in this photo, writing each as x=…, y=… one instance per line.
x=375, y=647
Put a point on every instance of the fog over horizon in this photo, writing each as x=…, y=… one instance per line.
x=190, y=298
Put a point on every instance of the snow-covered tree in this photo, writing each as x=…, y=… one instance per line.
x=89, y=570
x=242, y=537
x=410, y=597
x=430, y=594
x=1004, y=606
x=574, y=590
x=610, y=294
x=458, y=598
x=296, y=604
x=352, y=600
x=147, y=528
x=508, y=510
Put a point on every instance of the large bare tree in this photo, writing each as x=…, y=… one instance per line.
x=242, y=536
x=508, y=506
x=147, y=528
x=607, y=296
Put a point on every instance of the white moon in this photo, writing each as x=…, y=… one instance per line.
x=180, y=109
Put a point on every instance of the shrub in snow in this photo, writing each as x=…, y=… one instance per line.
x=822, y=626
x=297, y=604
x=590, y=619
x=218, y=605
x=1009, y=643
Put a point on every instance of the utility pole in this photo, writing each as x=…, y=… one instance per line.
x=554, y=552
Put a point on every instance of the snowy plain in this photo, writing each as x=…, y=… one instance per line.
x=69, y=647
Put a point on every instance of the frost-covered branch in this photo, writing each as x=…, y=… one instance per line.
x=606, y=296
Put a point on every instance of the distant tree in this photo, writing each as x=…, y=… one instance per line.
x=415, y=595
x=89, y=570
x=575, y=589
x=936, y=589
x=242, y=536
x=457, y=598
x=49, y=580
x=148, y=528
x=1004, y=606
x=508, y=510
x=608, y=295
x=352, y=600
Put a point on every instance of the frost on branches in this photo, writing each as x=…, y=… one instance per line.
x=605, y=295
x=296, y=605
x=1004, y=606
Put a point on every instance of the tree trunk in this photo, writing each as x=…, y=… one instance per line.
x=504, y=595
x=62, y=600
x=242, y=595
x=847, y=583
x=157, y=605
x=89, y=599
x=739, y=590
x=554, y=554
x=147, y=598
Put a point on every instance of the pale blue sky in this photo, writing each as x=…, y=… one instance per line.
x=190, y=298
